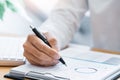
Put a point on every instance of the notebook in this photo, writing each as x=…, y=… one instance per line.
x=11, y=51
x=82, y=64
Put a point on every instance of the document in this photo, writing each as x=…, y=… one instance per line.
x=82, y=64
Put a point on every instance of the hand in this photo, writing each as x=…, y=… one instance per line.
x=38, y=53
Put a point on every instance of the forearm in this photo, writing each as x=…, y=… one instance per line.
x=65, y=19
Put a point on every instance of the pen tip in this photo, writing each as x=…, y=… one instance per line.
x=62, y=61
x=65, y=65
x=31, y=27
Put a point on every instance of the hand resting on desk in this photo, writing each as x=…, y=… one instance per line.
x=38, y=53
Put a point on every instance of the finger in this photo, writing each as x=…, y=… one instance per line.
x=30, y=58
x=52, y=40
x=34, y=61
x=36, y=53
x=41, y=46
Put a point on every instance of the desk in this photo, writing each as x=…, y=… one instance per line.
x=3, y=71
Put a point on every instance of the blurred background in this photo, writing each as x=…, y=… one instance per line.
x=35, y=12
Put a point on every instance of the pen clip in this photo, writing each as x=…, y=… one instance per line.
x=44, y=76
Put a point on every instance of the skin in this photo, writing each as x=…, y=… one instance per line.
x=38, y=53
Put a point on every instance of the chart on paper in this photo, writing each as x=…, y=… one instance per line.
x=88, y=65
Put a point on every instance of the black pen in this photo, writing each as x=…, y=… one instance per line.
x=45, y=41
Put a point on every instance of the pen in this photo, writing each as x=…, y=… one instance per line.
x=45, y=41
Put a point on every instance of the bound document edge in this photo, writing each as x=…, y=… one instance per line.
x=33, y=75
x=114, y=76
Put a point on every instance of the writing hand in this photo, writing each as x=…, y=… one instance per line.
x=38, y=53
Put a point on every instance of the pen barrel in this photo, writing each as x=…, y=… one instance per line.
x=45, y=41
x=38, y=34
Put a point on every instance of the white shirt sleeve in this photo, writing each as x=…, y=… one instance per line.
x=65, y=19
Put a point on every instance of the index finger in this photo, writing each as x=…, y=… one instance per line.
x=40, y=45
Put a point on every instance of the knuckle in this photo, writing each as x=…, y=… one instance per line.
x=53, y=41
x=30, y=37
x=42, y=47
x=37, y=54
x=35, y=42
x=54, y=54
x=24, y=45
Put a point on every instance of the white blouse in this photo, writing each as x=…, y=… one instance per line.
x=105, y=20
